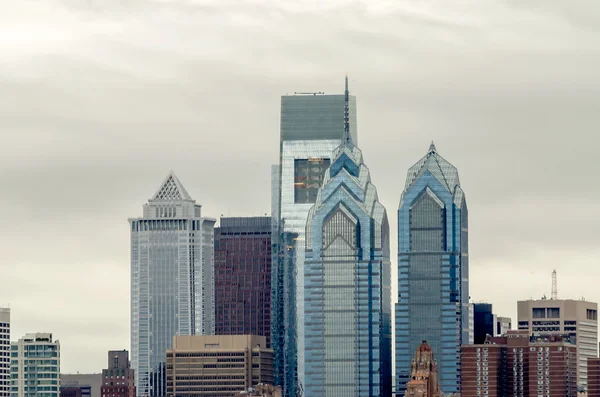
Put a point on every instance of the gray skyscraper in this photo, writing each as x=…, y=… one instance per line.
x=4, y=352
x=172, y=279
x=433, y=269
x=312, y=127
x=347, y=282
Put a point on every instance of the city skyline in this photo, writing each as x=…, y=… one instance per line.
x=508, y=107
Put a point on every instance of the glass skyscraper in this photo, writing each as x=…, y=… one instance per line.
x=347, y=284
x=172, y=279
x=433, y=269
x=312, y=127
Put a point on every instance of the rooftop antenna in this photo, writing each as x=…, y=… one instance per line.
x=554, y=289
x=347, y=138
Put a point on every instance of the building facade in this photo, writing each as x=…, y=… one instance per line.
x=172, y=280
x=503, y=325
x=118, y=380
x=217, y=365
x=312, y=127
x=35, y=366
x=593, y=385
x=347, y=284
x=519, y=365
x=4, y=352
x=577, y=318
x=484, y=322
x=89, y=385
x=433, y=269
x=243, y=277
x=424, y=379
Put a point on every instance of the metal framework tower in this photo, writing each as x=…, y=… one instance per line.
x=554, y=294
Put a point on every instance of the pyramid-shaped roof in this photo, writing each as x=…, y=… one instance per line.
x=171, y=189
x=439, y=167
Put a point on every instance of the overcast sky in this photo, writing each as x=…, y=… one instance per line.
x=99, y=99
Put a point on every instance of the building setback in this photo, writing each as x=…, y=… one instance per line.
x=593, y=386
x=347, y=283
x=433, y=269
x=518, y=365
x=118, y=380
x=312, y=126
x=243, y=277
x=171, y=280
x=577, y=318
x=217, y=365
x=4, y=352
x=35, y=366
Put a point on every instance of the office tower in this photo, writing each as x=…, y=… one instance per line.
x=423, y=374
x=593, y=372
x=88, y=385
x=4, y=352
x=503, y=325
x=347, y=283
x=217, y=365
x=484, y=323
x=118, y=380
x=519, y=365
x=312, y=127
x=243, y=277
x=172, y=280
x=35, y=366
x=578, y=318
x=433, y=269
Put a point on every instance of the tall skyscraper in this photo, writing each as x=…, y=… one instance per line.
x=312, y=127
x=433, y=269
x=243, y=277
x=35, y=366
x=172, y=279
x=577, y=318
x=347, y=280
x=4, y=352
x=118, y=380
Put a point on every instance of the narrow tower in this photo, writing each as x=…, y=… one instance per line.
x=554, y=294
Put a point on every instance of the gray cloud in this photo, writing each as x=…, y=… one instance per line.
x=99, y=100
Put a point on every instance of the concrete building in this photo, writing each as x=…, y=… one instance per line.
x=312, y=127
x=243, y=277
x=577, y=318
x=593, y=386
x=88, y=384
x=433, y=269
x=217, y=365
x=347, y=264
x=35, y=366
x=4, y=352
x=519, y=365
x=261, y=390
x=172, y=280
x=503, y=325
x=424, y=380
x=118, y=380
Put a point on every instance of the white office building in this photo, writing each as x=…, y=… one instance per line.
x=35, y=366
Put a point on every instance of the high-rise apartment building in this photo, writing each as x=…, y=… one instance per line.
x=593, y=372
x=433, y=269
x=118, y=380
x=217, y=365
x=172, y=280
x=484, y=322
x=577, y=318
x=4, y=352
x=243, y=277
x=518, y=365
x=35, y=366
x=312, y=127
x=347, y=281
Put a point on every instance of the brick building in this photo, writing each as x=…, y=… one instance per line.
x=118, y=379
x=519, y=365
x=593, y=367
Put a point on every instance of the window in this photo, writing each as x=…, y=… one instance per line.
x=591, y=314
x=308, y=178
x=538, y=312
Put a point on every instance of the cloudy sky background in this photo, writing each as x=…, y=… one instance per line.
x=99, y=99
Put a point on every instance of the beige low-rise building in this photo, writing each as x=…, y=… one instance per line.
x=217, y=365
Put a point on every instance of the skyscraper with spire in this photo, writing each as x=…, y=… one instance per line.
x=312, y=127
x=172, y=278
x=433, y=269
x=347, y=282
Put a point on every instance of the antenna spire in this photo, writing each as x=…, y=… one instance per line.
x=347, y=137
x=554, y=294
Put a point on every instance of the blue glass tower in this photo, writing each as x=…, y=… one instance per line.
x=347, y=283
x=433, y=269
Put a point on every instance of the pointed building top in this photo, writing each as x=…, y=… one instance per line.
x=171, y=189
x=347, y=136
x=432, y=148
